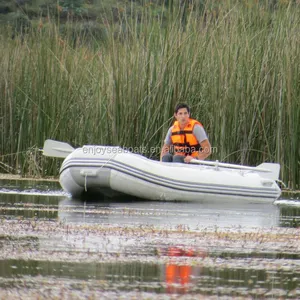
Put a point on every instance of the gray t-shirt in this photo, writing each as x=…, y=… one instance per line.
x=198, y=132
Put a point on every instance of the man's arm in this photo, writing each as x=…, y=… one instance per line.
x=167, y=144
x=202, y=138
x=206, y=150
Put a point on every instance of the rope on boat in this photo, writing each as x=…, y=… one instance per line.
x=281, y=182
x=85, y=182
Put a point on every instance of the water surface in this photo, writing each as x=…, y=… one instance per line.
x=54, y=246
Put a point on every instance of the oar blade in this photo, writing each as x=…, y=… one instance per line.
x=274, y=170
x=58, y=149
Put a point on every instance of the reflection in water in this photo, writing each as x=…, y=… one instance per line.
x=289, y=216
x=193, y=215
x=179, y=276
x=170, y=278
x=29, y=206
x=39, y=202
x=149, y=212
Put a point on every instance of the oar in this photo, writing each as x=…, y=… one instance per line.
x=225, y=165
x=54, y=148
x=57, y=149
x=271, y=168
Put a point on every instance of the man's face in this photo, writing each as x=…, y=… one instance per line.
x=182, y=116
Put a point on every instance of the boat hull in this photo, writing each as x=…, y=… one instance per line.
x=117, y=172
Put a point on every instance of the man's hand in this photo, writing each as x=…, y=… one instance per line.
x=188, y=159
x=165, y=149
x=206, y=151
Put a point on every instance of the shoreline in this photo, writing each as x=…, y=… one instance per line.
x=4, y=176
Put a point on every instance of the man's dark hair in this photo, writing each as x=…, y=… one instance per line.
x=181, y=105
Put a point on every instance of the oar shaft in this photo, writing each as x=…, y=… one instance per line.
x=225, y=165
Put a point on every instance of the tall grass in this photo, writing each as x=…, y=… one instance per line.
x=237, y=64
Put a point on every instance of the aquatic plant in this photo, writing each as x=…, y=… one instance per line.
x=236, y=63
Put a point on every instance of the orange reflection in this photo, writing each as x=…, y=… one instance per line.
x=178, y=276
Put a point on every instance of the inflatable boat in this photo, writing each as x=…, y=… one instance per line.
x=111, y=171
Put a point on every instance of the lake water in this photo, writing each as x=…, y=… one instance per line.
x=55, y=247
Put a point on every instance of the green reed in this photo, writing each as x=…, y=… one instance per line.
x=237, y=64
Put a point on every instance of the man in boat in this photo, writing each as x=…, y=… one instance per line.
x=186, y=137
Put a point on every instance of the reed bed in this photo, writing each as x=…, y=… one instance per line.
x=236, y=63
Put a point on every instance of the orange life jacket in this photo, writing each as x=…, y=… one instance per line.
x=184, y=142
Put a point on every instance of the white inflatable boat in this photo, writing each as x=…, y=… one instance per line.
x=113, y=170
